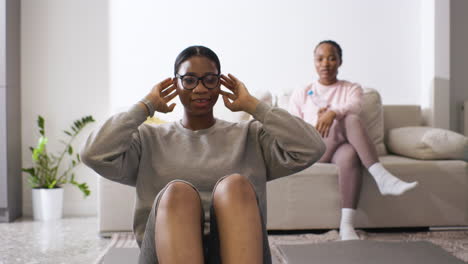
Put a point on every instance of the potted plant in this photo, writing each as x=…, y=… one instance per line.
x=46, y=177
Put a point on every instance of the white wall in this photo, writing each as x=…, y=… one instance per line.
x=267, y=44
x=427, y=50
x=435, y=62
x=64, y=77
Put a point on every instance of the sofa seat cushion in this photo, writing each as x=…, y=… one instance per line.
x=421, y=165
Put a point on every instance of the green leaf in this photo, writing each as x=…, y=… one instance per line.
x=70, y=150
x=78, y=157
x=73, y=163
x=40, y=124
x=40, y=148
x=52, y=184
x=68, y=133
x=31, y=149
x=82, y=186
x=31, y=171
x=34, y=182
x=86, y=120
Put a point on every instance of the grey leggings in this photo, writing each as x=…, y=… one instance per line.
x=349, y=145
x=211, y=244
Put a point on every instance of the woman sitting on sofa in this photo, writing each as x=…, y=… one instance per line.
x=201, y=181
x=332, y=106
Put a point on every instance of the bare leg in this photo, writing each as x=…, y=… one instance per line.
x=178, y=235
x=239, y=221
x=350, y=175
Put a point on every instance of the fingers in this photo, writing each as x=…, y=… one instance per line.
x=166, y=109
x=171, y=107
x=317, y=127
x=164, y=84
x=162, y=93
x=228, y=80
x=170, y=96
x=228, y=95
x=233, y=78
x=227, y=103
x=166, y=81
x=321, y=131
x=161, y=86
x=321, y=128
x=326, y=130
x=228, y=85
x=167, y=90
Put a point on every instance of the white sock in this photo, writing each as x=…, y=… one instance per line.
x=347, y=225
x=387, y=183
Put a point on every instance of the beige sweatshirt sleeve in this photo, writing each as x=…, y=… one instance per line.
x=288, y=143
x=114, y=149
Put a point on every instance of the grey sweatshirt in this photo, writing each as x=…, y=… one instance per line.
x=273, y=145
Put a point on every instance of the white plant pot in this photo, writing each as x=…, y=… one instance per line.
x=47, y=204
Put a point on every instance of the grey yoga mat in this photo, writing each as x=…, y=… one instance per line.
x=367, y=252
x=128, y=256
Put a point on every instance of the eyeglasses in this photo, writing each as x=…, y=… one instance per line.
x=189, y=82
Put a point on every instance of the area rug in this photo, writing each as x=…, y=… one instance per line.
x=453, y=242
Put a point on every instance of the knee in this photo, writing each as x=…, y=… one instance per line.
x=179, y=195
x=352, y=119
x=353, y=157
x=348, y=158
x=234, y=189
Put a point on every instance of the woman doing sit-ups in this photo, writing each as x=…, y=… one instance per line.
x=201, y=181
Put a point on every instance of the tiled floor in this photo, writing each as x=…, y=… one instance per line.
x=67, y=241
x=76, y=240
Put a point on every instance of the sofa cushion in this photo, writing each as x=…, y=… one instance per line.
x=428, y=143
x=396, y=116
x=372, y=115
